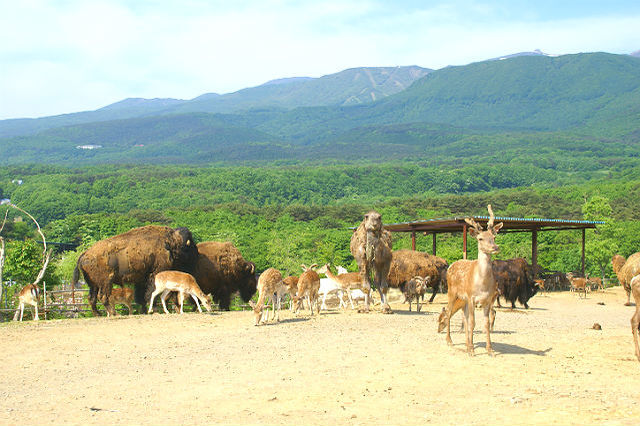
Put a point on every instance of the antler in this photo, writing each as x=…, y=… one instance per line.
x=491, y=217
x=473, y=224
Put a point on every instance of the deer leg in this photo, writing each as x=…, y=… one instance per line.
x=471, y=323
x=21, y=310
x=488, y=325
x=35, y=308
x=163, y=298
x=153, y=296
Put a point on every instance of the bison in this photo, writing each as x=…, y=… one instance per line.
x=221, y=270
x=134, y=257
x=515, y=281
x=406, y=264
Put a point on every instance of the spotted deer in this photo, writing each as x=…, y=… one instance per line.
x=471, y=283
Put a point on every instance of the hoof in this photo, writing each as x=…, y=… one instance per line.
x=628, y=304
x=363, y=311
x=387, y=309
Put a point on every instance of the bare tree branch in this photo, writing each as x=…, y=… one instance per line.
x=44, y=267
x=44, y=241
x=6, y=212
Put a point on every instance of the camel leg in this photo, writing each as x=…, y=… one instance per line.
x=635, y=323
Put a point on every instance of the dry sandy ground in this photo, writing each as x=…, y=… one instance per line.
x=340, y=368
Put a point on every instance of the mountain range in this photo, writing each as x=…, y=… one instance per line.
x=579, y=102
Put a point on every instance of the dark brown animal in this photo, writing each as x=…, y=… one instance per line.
x=406, y=264
x=625, y=270
x=515, y=281
x=221, y=271
x=134, y=257
x=371, y=247
x=416, y=287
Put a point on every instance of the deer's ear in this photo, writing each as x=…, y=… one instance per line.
x=472, y=232
x=497, y=227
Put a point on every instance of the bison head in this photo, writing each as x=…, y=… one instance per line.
x=184, y=250
x=248, y=286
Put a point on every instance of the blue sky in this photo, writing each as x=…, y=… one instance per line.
x=73, y=55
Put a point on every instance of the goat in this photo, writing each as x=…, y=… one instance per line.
x=271, y=287
x=471, y=282
x=416, y=287
x=635, y=319
x=182, y=282
x=308, y=286
x=123, y=295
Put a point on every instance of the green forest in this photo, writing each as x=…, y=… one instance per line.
x=283, y=216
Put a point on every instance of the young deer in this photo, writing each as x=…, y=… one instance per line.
x=471, y=282
x=349, y=281
x=123, y=295
x=270, y=287
x=31, y=292
x=308, y=286
x=29, y=295
x=168, y=281
x=635, y=319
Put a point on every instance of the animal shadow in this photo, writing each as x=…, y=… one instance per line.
x=412, y=313
x=505, y=348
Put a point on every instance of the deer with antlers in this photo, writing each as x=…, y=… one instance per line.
x=471, y=283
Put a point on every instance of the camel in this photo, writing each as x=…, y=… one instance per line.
x=371, y=247
x=625, y=270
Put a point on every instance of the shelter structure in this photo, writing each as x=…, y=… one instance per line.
x=454, y=225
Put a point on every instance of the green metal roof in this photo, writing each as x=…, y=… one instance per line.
x=513, y=224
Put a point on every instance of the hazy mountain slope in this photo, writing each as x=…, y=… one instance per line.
x=353, y=86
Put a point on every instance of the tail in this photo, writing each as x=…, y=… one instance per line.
x=76, y=272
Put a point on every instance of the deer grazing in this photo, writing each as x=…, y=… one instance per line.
x=168, y=281
x=123, y=295
x=471, y=283
x=270, y=287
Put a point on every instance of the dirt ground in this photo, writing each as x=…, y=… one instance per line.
x=339, y=368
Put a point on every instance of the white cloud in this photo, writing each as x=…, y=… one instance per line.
x=69, y=56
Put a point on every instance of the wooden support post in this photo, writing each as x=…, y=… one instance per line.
x=583, y=246
x=413, y=240
x=464, y=241
x=433, y=248
x=534, y=252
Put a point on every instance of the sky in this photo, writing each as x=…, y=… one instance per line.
x=66, y=56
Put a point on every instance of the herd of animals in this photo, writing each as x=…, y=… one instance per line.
x=167, y=262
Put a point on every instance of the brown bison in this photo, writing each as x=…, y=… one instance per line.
x=221, y=270
x=371, y=247
x=515, y=281
x=406, y=264
x=134, y=257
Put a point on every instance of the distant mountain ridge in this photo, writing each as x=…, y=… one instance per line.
x=581, y=103
x=348, y=87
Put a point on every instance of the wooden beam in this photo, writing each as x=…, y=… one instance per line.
x=464, y=241
x=534, y=251
x=433, y=247
x=413, y=240
x=583, y=247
